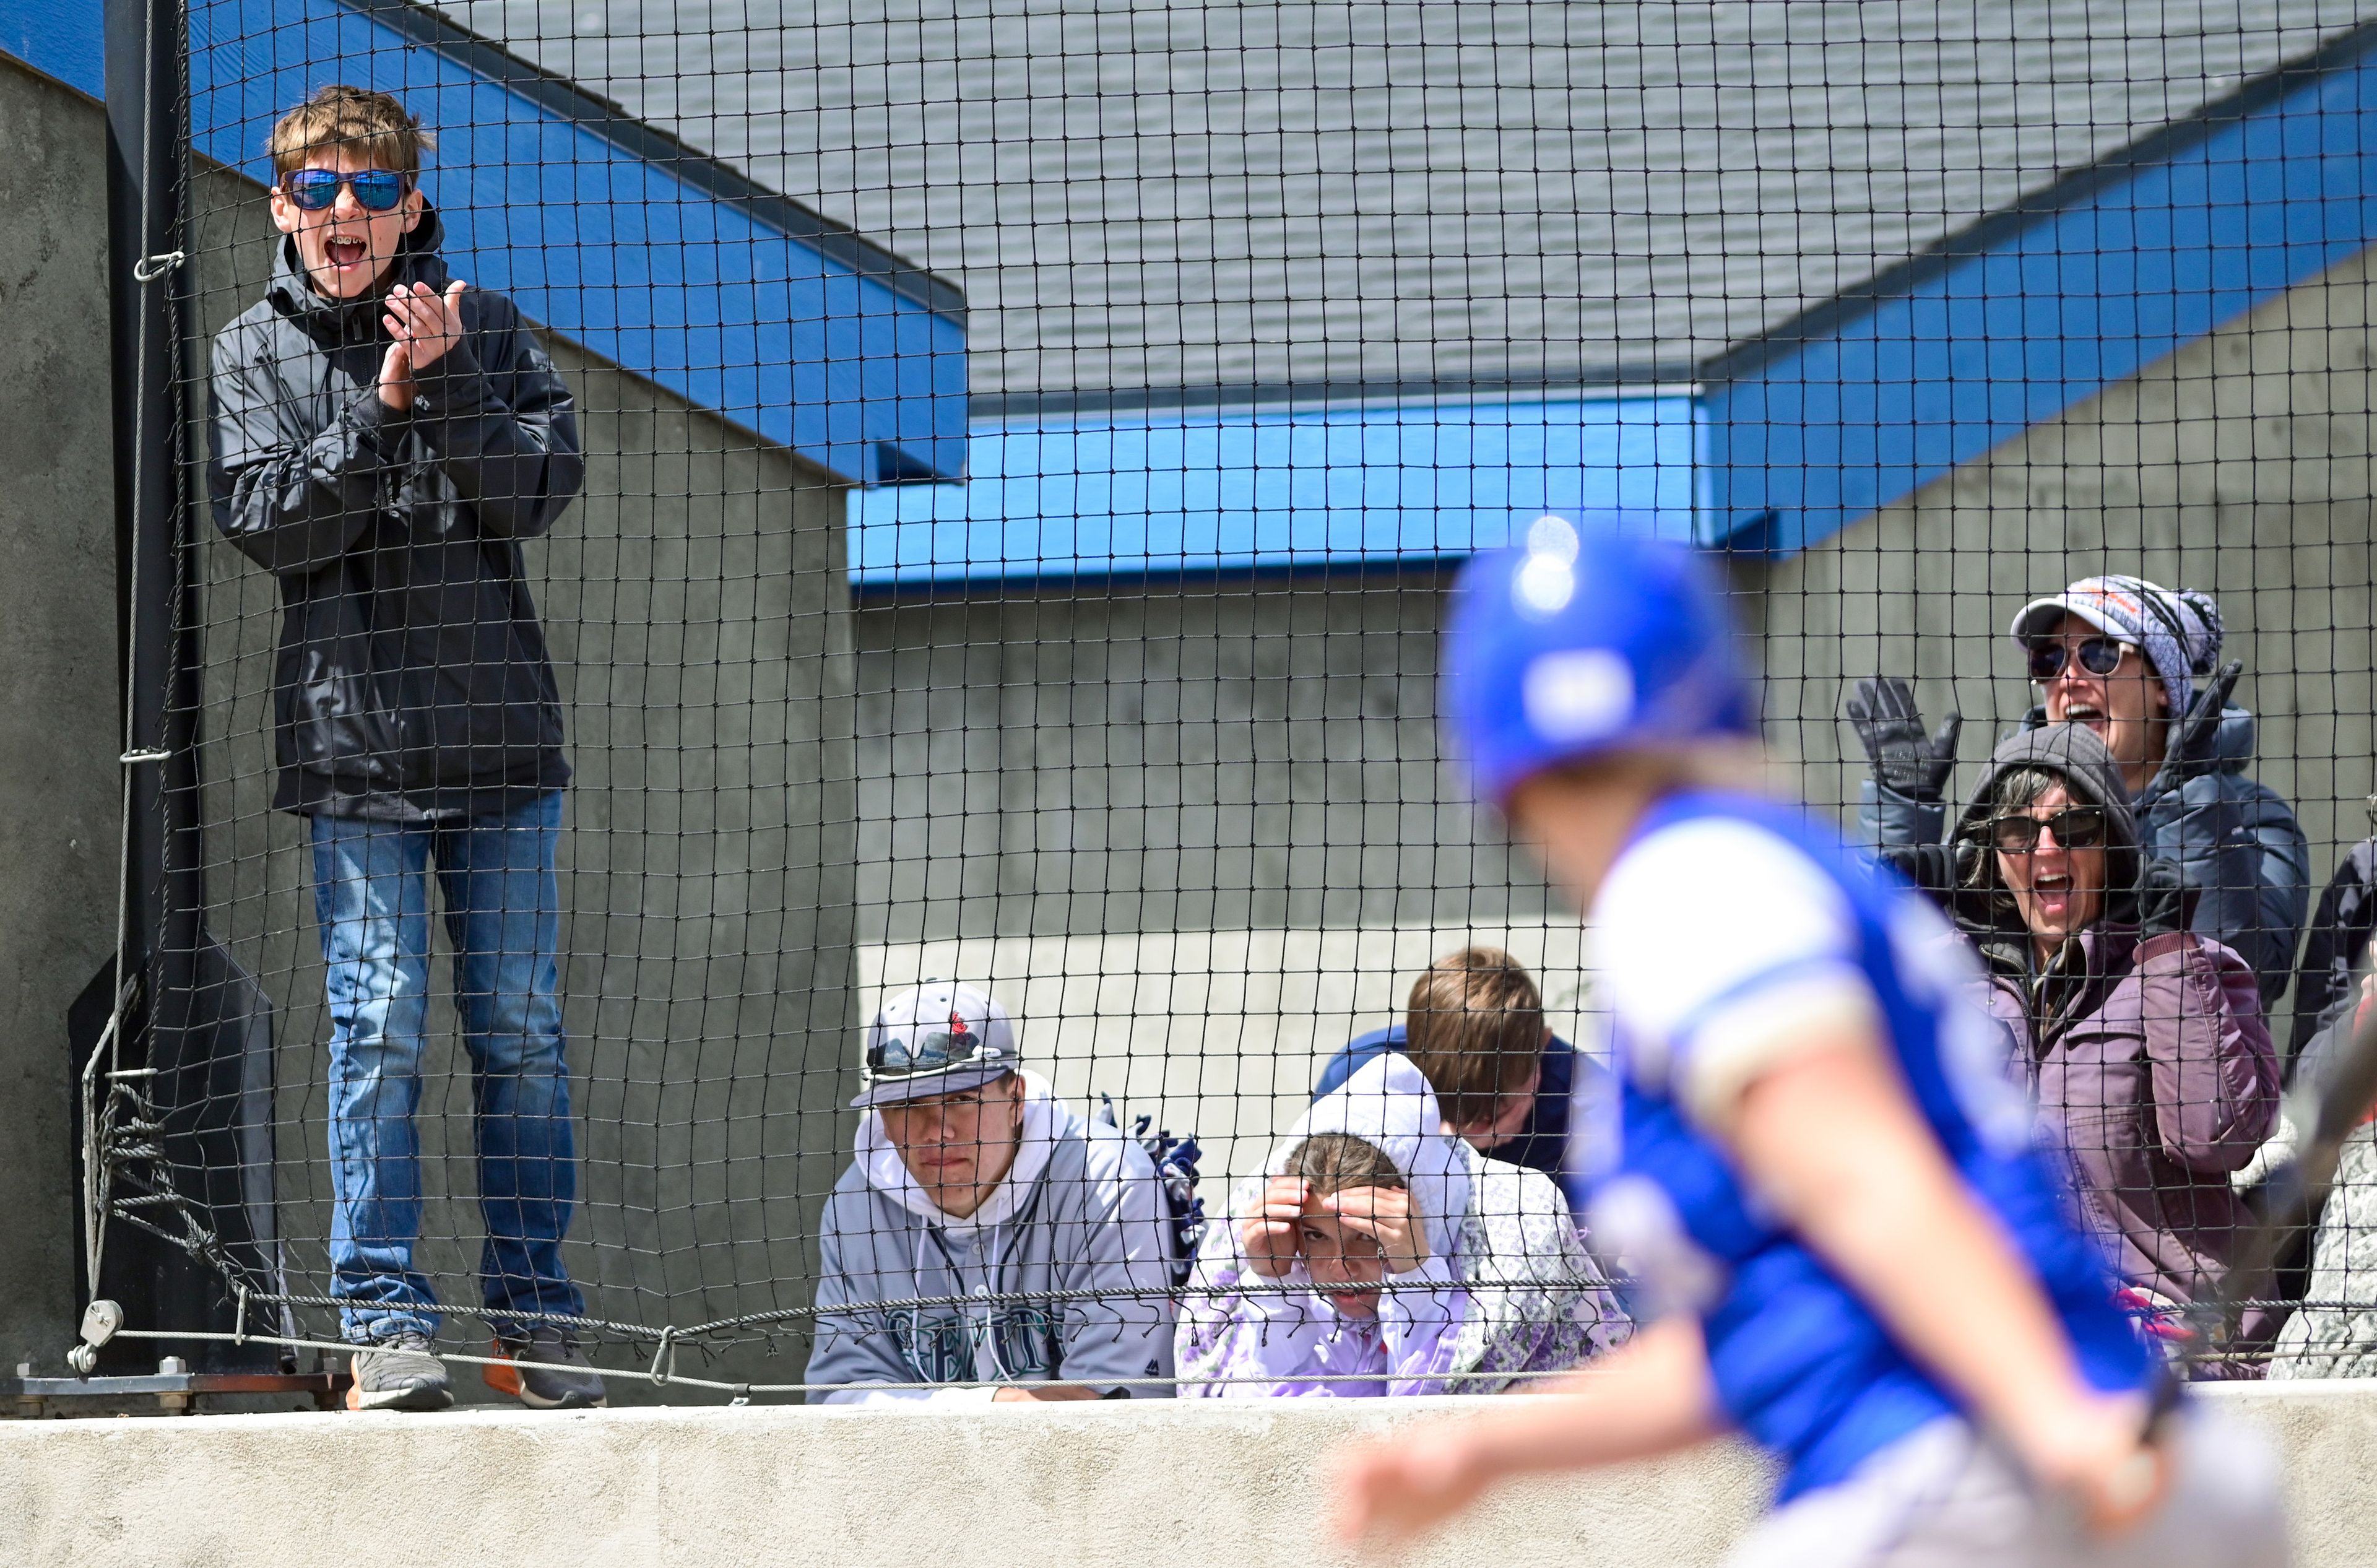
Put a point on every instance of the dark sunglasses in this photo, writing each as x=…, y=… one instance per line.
x=2076, y=827
x=2098, y=656
x=377, y=190
x=942, y=1048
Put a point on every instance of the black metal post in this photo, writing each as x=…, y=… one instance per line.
x=203, y=1047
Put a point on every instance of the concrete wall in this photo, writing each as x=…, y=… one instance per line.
x=994, y=1485
x=1057, y=783
x=59, y=810
x=694, y=601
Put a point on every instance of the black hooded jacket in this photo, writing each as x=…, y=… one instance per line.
x=412, y=682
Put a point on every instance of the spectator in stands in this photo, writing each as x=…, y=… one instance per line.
x=2145, y=1042
x=2341, y=929
x=1379, y=1255
x=2333, y=1333
x=977, y=1204
x=1474, y=1025
x=2134, y=661
x=384, y=439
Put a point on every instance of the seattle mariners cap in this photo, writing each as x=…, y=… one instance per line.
x=935, y=1038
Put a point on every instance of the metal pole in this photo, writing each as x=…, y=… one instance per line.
x=172, y=1047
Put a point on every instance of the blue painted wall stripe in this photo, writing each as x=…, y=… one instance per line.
x=1219, y=490
x=620, y=254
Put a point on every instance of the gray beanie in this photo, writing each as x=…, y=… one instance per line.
x=2178, y=631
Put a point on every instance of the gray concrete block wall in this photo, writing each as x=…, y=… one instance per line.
x=1166, y=756
x=694, y=599
x=59, y=807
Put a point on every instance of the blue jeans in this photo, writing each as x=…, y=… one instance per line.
x=496, y=877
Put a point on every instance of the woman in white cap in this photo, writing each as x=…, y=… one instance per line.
x=2138, y=663
x=987, y=1243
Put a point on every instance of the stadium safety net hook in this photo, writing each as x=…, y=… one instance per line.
x=664, y=1356
x=149, y=268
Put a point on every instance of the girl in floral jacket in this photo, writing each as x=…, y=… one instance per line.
x=1377, y=1254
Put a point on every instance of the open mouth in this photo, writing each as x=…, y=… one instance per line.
x=2054, y=892
x=2085, y=714
x=344, y=252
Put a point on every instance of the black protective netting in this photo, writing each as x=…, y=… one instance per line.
x=968, y=496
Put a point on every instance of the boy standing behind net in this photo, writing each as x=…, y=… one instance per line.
x=385, y=437
x=1856, y=1250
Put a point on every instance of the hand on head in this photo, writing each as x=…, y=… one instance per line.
x=1348, y=1241
x=1268, y=1233
x=1384, y=1215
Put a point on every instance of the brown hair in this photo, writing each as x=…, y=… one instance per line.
x=373, y=127
x=1333, y=1161
x=1474, y=1026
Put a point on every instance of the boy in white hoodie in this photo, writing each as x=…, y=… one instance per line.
x=976, y=1208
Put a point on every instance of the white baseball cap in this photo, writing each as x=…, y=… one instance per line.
x=935, y=1038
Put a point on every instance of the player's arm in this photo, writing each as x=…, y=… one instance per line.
x=1652, y=1397
x=1827, y=1133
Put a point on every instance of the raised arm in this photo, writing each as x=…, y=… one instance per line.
x=500, y=423
x=289, y=500
x=1903, y=803
x=1828, y=1135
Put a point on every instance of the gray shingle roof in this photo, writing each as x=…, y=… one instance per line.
x=1166, y=193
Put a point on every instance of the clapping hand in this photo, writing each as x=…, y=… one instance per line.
x=423, y=327
x=1905, y=758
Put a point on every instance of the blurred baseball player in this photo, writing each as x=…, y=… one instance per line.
x=1813, y=1158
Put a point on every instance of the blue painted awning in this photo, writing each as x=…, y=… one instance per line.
x=633, y=245
x=1856, y=404
x=1200, y=490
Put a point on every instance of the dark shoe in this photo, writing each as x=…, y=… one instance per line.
x=398, y=1373
x=544, y=1371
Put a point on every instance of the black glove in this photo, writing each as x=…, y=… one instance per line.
x=2184, y=757
x=2165, y=900
x=1905, y=759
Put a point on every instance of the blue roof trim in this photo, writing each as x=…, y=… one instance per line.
x=643, y=251
x=1198, y=490
x=1856, y=404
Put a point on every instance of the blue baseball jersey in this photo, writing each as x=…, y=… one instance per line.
x=1728, y=928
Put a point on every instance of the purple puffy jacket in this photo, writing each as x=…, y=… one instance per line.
x=2158, y=1073
x=2149, y=1053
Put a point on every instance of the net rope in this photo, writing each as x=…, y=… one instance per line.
x=936, y=496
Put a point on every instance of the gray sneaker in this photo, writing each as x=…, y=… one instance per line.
x=398, y=1373
x=546, y=1371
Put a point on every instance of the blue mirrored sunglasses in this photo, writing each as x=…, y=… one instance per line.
x=377, y=190
x=931, y=1053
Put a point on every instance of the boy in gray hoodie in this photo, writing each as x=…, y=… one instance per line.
x=977, y=1204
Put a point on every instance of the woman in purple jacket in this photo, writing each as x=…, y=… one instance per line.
x=2145, y=1042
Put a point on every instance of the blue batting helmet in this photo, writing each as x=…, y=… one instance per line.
x=1581, y=642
